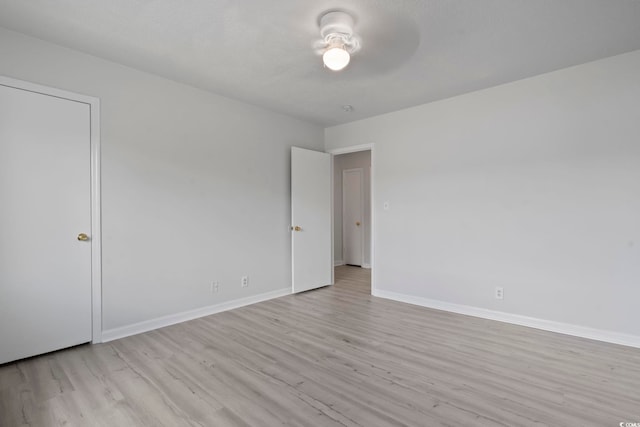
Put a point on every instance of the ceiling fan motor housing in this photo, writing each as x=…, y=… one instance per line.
x=336, y=24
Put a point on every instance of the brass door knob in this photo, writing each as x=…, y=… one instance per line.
x=83, y=237
x=358, y=223
x=296, y=228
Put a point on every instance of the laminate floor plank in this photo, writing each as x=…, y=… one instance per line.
x=335, y=356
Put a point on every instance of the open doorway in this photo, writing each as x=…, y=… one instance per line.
x=352, y=217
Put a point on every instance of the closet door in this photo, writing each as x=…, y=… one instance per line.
x=45, y=219
x=353, y=217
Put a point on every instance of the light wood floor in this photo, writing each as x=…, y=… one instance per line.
x=330, y=357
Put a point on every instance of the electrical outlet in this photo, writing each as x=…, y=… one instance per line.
x=244, y=281
x=215, y=286
x=499, y=292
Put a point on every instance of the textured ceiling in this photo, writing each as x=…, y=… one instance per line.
x=261, y=51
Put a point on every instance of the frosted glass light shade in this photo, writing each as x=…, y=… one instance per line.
x=336, y=58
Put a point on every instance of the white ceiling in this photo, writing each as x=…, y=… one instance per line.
x=260, y=51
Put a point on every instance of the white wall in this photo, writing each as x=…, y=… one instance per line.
x=195, y=186
x=359, y=159
x=533, y=186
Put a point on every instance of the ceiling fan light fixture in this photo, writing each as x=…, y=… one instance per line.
x=336, y=58
x=336, y=30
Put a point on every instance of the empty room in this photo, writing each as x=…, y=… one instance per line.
x=329, y=213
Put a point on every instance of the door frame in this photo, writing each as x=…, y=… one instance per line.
x=361, y=173
x=372, y=229
x=96, y=219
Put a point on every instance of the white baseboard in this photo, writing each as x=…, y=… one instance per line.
x=367, y=266
x=172, y=319
x=532, y=322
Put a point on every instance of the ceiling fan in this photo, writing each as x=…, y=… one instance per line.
x=338, y=39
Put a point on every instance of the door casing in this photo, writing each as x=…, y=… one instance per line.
x=353, y=149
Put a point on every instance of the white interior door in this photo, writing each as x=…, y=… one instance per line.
x=45, y=270
x=353, y=216
x=311, y=219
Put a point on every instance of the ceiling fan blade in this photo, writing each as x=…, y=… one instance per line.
x=386, y=47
